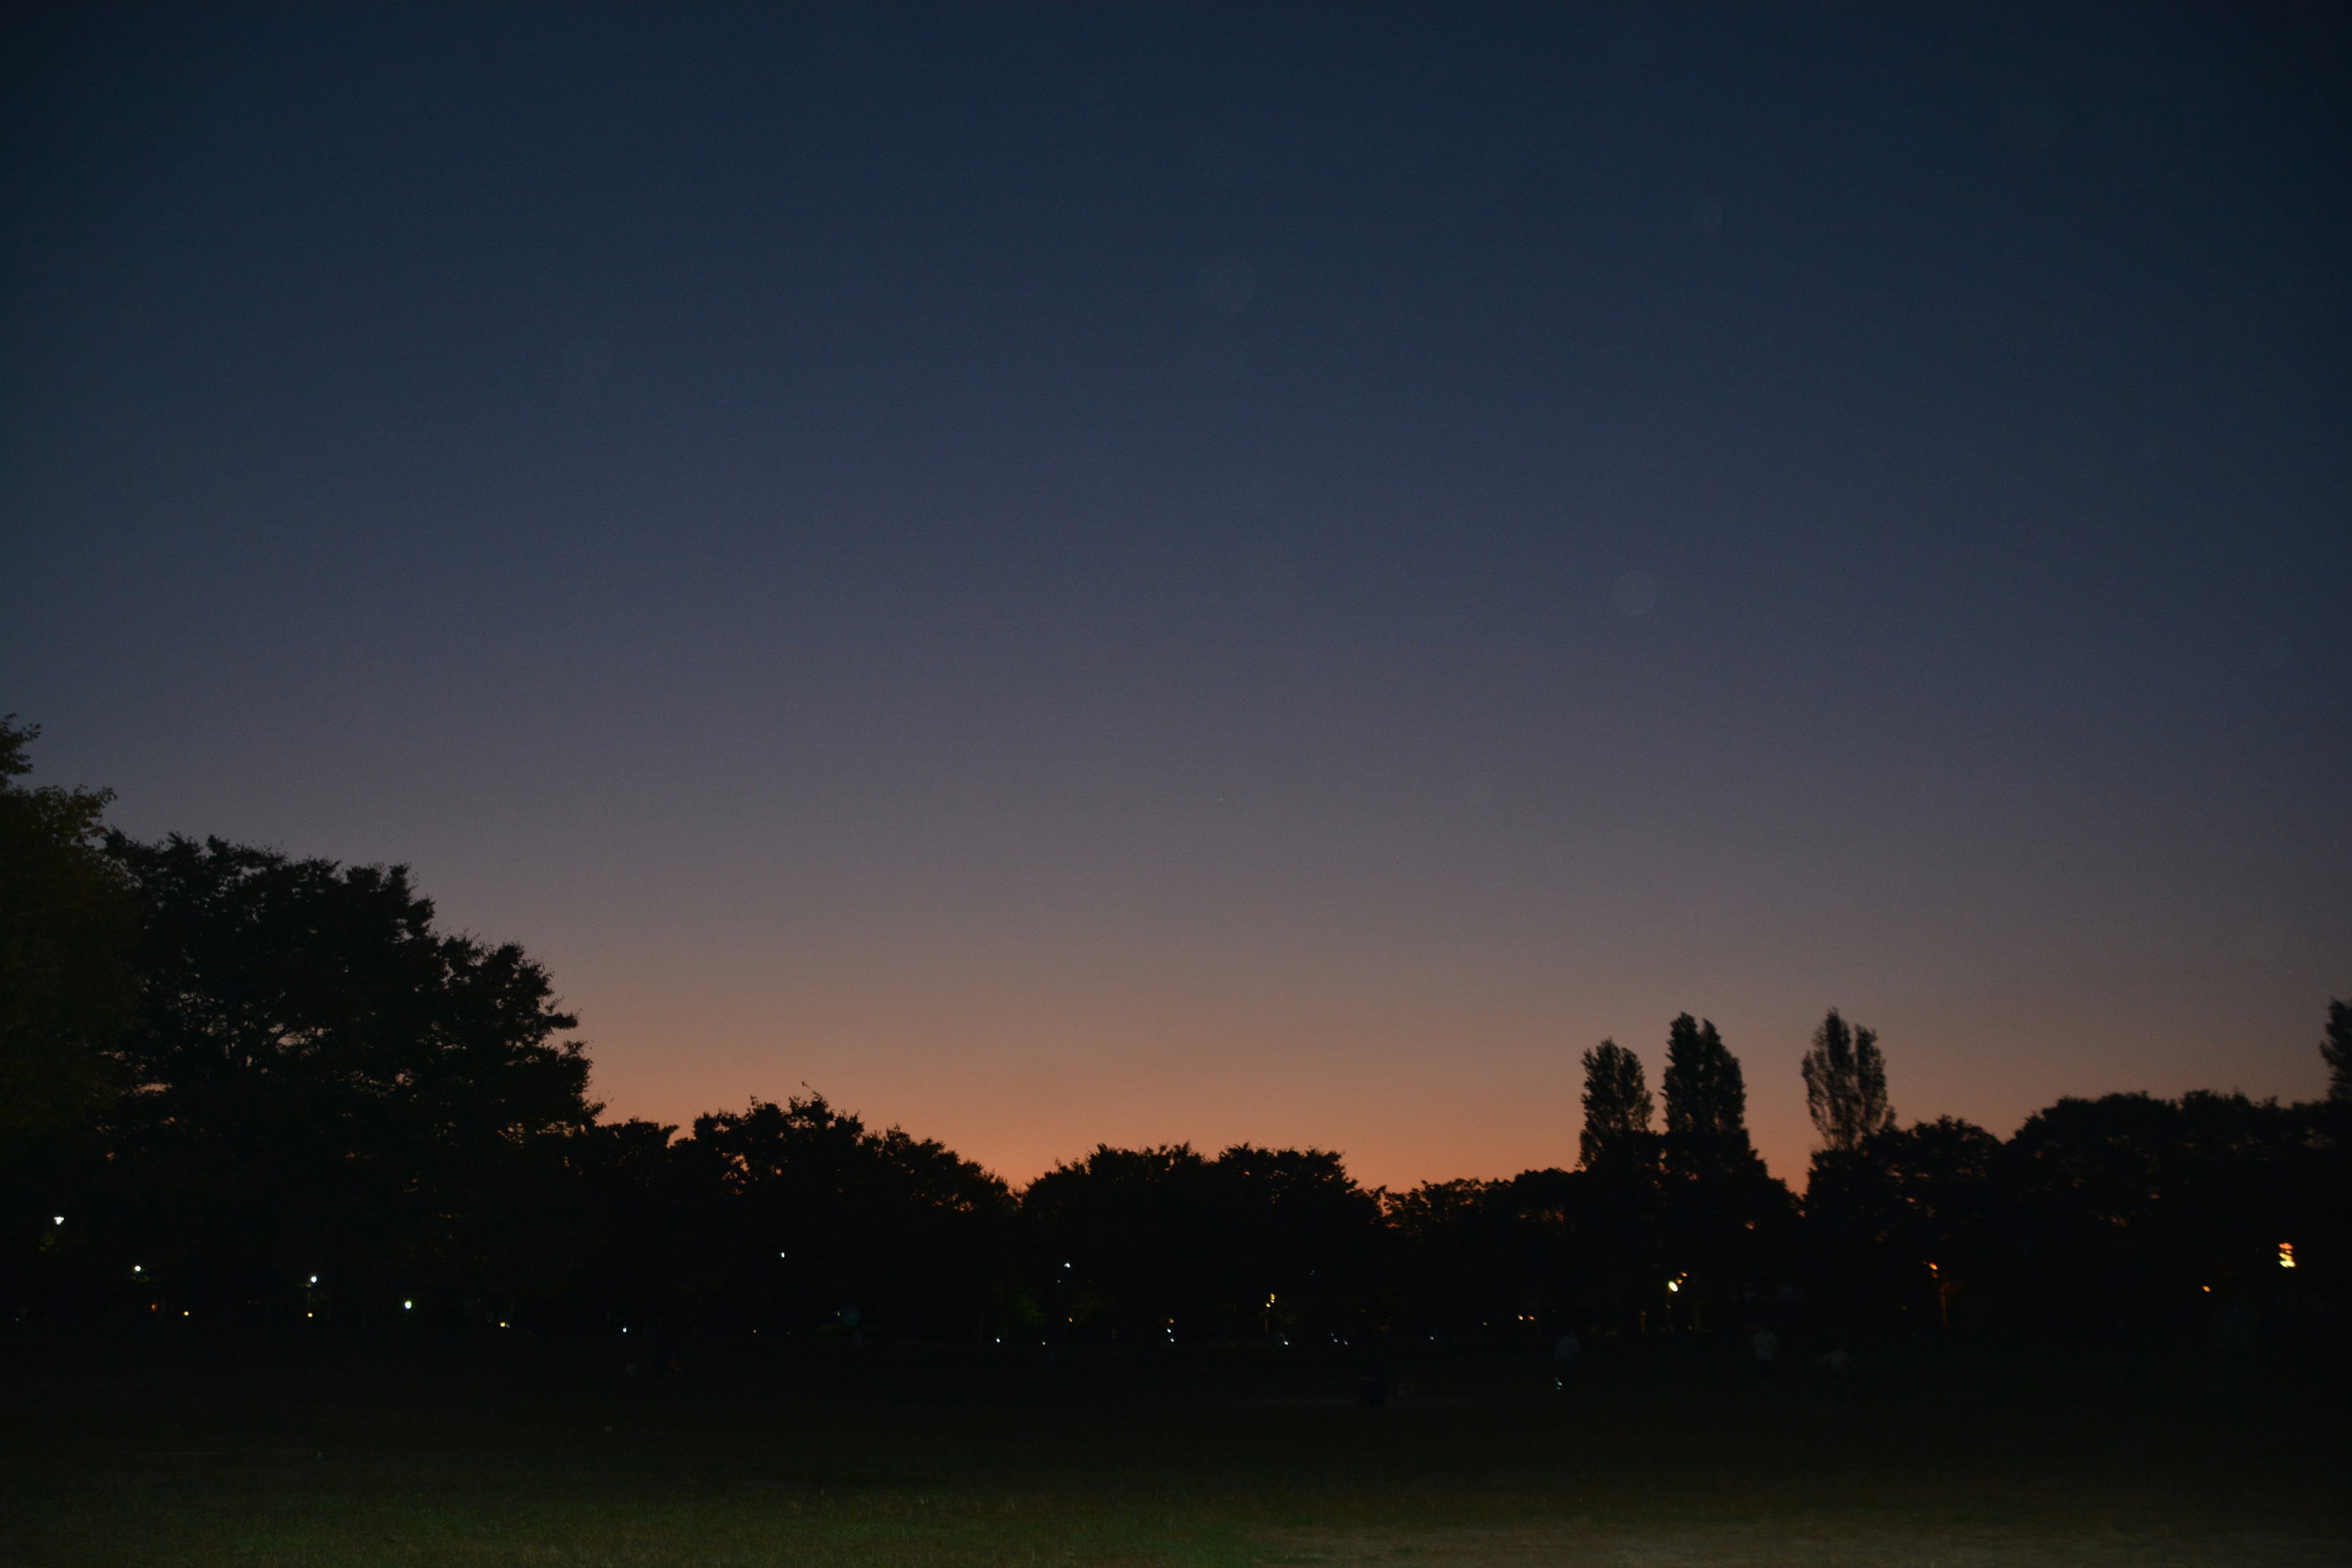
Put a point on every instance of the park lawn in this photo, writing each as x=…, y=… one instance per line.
x=541, y=1455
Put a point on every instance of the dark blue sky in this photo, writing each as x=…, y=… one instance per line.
x=1067, y=575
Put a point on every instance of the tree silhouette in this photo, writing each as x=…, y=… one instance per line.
x=1907, y=1222
x=1140, y=1243
x=1706, y=1104
x=1845, y=1084
x=1617, y=1109
x=277, y=1087
x=2335, y=1047
x=65, y=927
x=1298, y=1234
x=1125, y=1240
x=817, y=1214
x=325, y=1084
x=1721, y=1212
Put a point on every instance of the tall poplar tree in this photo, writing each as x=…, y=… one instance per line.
x=1845, y=1084
x=1617, y=1109
x=2335, y=1049
x=1706, y=1104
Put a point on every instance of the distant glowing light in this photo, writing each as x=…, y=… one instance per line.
x=136, y=1270
x=60, y=1220
x=2286, y=1254
x=408, y=1306
x=314, y=1279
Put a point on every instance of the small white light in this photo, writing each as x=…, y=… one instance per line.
x=60, y=1219
x=314, y=1279
x=136, y=1270
x=408, y=1306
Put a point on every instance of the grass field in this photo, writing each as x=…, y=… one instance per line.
x=550, y=1454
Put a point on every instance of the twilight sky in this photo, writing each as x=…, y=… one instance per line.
x=1074, y=575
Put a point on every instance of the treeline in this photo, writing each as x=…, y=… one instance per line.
x=236, y=1084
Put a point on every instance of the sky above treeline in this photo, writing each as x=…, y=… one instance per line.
x=1066, y=574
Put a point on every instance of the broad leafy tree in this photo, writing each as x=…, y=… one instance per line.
x=1908, y=1227
x=1146, y=1245
x=2129, y=1208
x=1125, y=1242
x=67, y=992
x=821, y=1220
x=322, y=1083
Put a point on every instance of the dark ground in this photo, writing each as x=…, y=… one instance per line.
x=121, y=1450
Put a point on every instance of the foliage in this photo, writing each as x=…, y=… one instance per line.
x=272, y=1087
x=1907, y=1221
x=2129, y=1206
x=1706, y=1105
x=1845, y=1084
x=819, y=1217
x=66, y=926
x=324, y=1085
x=1151, y=1244
x=2335, y=1049
x=1616, y=1137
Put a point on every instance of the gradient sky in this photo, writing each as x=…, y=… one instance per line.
x=1092, y=574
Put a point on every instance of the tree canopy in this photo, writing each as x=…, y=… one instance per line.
x=2335, y=1049
x=1845, y=1084
x=274, y=1087
x=67, y=924
x=1617, y=1109
x=1706, y=1104
x=337, y=1087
